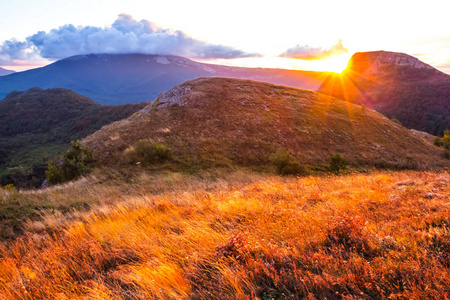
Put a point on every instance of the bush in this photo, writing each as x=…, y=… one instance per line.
x=77, y=161
x=438, y=142
x=337, y=163
x=294, y=168
x=280, y=159
x=147, y=153
x=446, y=139
x=284, y=164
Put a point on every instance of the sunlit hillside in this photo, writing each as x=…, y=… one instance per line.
x=210, y=122
x=233, y=235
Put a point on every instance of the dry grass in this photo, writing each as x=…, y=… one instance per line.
x=377, y=236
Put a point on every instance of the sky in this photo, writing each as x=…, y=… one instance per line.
x=308, y=35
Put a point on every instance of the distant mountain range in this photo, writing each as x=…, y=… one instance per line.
x=131, y=78
x=37, y=125
x=4, y=72
x=397, y=85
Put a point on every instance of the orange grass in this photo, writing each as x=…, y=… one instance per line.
x=378, y=236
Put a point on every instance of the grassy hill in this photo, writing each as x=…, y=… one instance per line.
x=38, y=124
x=212, y=122
x=398, y=86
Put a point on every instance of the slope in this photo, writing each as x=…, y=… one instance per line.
x=38, y=124
x=179, y=236
x=397, y=85
x=130, y=78
x=230, y=122
x=4, y=72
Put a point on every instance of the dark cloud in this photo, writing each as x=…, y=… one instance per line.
x=126, y=35
x=309, y=53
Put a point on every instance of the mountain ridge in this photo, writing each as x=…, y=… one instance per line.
x=131, y=78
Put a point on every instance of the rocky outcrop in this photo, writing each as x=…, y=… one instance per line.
x=371, y=62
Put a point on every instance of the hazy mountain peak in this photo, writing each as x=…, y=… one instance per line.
x=4, y=72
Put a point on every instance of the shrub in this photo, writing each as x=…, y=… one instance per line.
x=280, y=159
x=438, y=142
x=54, y=173
x=337, y=163
x=77, y=161
x=284, y=164
x=294, y=168
x=148, y=153
x=446, y=139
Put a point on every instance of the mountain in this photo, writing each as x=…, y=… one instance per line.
x=397, y=85
x=4, y=72
x=131, y=78
x=37, y=124
x=211, y=122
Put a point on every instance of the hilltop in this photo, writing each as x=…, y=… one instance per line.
x=211, y=122
x=397, y=85
x=130, y=78
x=37, y=124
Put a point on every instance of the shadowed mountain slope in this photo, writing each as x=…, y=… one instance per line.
x=397, y=85
x=39, y=123
x=130, y=78
x=222, y=121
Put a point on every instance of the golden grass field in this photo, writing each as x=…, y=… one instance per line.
x=233, y=235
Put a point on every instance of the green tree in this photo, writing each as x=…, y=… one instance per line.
x=76, y=162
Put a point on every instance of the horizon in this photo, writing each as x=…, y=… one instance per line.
x=291, y=35
x=248, y=64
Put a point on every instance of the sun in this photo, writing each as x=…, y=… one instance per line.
x=333, y=63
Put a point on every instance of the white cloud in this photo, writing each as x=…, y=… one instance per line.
x=125, y=35
x=310, y=53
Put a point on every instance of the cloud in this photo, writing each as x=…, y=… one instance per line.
x=309, y=53
x=125, y=35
